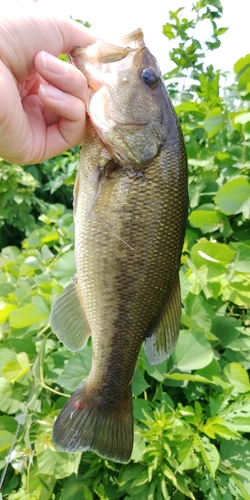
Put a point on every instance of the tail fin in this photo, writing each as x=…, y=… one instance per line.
x=89, y=422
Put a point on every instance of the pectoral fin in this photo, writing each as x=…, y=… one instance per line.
x=161, y=343
x=68, y=320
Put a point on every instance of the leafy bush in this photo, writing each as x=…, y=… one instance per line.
x=27, y=191
x=192, y=412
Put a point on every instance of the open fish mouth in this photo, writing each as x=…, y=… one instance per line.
x=107, y=53
x=131, y=124
x=104, y=52
x=90, y=60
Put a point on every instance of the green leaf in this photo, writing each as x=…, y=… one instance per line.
x=156, y=371
x=211, y=370
x=139, y=443
x=54, y=463
x=209, y=454
x=188, y=376
x=242, y=68
x=240, y=344
x=225, y=329
x=11, y=400
x=209, y=253
x=236, y=455
x=242, y=118
x=244, y=489
x=241, y=64
x=130, y=473
x=237, y=414
x=5, y=356
x=206, y=220
x=5, y=310
x=219, y=426
x=141, y=406
x=168, y=31
x=6, y=440
x=74, y=488
x=192, y=351
x=181, y=485
x=8, y=423
x=164, y=489
x=233, y=196
x=139, y=383
x=51, y=236
x=23, y=360
x=32, y=313
x=238, y=377
x=187, y=457
x=15, y=369
x=214, y=121
x=238, y=292
x=242, y=259
x=198, y=313
x=12, y=371
x=11, y=253
x=65, y=268
x=185, y=285
x=40, y=484
x=76, y=370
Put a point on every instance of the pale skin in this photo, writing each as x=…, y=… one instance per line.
x=42, y=99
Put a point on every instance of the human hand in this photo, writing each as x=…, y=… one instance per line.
x=42, y=99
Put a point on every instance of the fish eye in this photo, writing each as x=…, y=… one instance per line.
x=149, y=76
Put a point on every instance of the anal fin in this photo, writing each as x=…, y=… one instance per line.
x=161, y=343
x=68, y=320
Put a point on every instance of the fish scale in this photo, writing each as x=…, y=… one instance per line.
x=130, y=214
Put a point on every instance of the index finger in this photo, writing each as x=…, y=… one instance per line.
x=23, y=35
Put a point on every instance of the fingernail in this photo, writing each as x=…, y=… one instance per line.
x=53, y=64
x=52, y=92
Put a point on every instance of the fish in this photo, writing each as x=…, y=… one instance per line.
x=130, y=213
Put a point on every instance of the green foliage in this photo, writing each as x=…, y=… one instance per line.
x=192, y=412
x=27, y=191
x=17, y=199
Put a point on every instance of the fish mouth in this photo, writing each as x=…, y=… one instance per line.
x=131, y=125
x=99, y=52
x=97, y=61
x=104, y=52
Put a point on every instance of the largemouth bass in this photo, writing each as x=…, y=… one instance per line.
x=130, y=209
